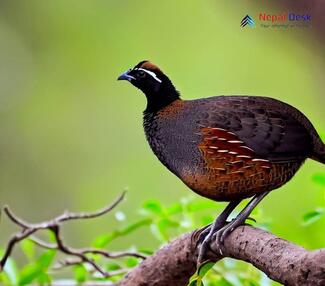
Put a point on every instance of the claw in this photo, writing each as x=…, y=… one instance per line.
x=203, y=249
x=203, y=234
x=224, y=234
x=212, y=229
x=218, y=240
x=226, y=230
x=207, y=234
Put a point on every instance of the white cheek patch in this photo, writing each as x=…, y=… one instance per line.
x=151, y=73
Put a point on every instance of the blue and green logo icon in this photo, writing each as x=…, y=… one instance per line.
x=247, y=20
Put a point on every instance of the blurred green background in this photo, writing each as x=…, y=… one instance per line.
x=71, y=135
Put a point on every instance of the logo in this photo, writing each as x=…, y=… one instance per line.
x=284, y=17
x=283, y=20
x=247, y=20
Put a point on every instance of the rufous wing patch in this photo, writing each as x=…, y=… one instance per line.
x=226, y=154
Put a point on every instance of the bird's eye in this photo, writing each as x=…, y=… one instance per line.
x=142, y=74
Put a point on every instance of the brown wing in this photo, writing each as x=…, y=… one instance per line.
x=274, y=130
x=224, y=152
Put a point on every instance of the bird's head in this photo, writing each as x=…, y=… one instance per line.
x=157, y=87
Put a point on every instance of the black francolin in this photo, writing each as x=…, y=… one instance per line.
x=226, y=148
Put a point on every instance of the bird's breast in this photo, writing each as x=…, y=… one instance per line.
x=172, y=140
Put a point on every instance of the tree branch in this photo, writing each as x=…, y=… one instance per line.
x=279, y=259
x=54, y=225
x=175, y=263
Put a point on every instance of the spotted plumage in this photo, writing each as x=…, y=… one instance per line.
x=225, y=148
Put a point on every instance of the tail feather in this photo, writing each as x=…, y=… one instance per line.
x=319, y=152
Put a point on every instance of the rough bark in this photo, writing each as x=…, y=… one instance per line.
x=279, y=259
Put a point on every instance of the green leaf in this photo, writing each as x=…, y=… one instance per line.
x=28, y=274
x=46, y=259
x=218, y=280
x=132, y=227
x=51, y=237
x=319, y=178
x=164, y=224
x=28, y=248
x=111, y=266
x=44, y=279
x=80, y=273
x=223, y=282
x=204, y=268
x=33, y=271
x=192, y=283
x=153, y=206
x=131, y=262
x=103, y=240
x=312, y=216
x=157, y=233
x=174, y=209
x=201, y=271
x=4, y=279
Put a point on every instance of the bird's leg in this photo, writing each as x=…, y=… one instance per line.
x=219, y=221
x=217, y=224
x=240, y=219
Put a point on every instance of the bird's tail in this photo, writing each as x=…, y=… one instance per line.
x=319, y=152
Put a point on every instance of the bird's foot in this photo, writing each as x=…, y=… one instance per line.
x=205, y=238
x=207, y=233
x=222, y=233
x=204, y=233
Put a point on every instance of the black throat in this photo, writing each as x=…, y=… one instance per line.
x=156, y=100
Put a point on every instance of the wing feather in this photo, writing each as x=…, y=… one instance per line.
x=269, y=127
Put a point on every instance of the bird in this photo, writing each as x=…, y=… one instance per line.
x=225, y=148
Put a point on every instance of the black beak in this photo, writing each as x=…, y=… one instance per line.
x=126, y=76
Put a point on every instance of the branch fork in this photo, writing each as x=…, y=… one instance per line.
x=28, y=230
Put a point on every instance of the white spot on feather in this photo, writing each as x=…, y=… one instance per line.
x=260, y=160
